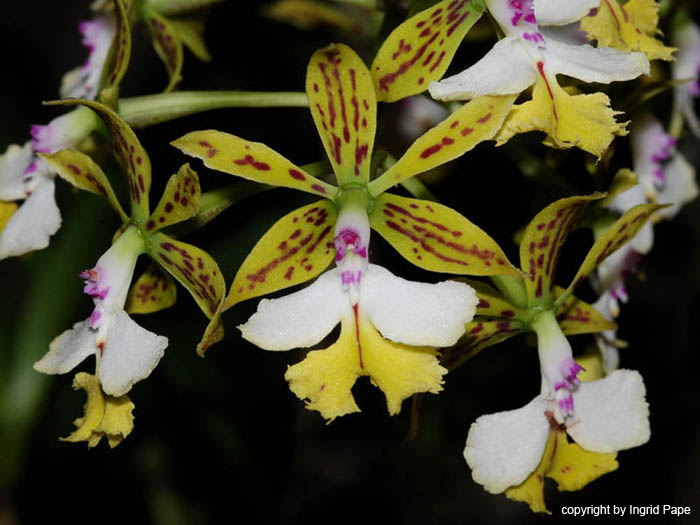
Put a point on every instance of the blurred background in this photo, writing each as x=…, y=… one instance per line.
x=222, y=438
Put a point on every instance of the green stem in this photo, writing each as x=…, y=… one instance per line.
x=513, y=288
x=147, y=110
x=415, y=187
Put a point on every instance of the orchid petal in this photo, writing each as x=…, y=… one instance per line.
x=506, y=69
x=68, y=350
x=590, y=64
x=191, y=33
x=481, y=333
x=31, y=226
x=624, y=229
x=473, y=123
x=420, y=49
x=13, y=163
x=679, y=187
x=297, y=248
x=344, y=108
x=611, y=413
x=301, y=319
x=578, y=317
x=130, y=354
x=179, y=202
x=504, y=448
x=134, y=159
x=573, y=467
x=542, y=241
x=193, y=268
x=155, y=290
x=416, y=313
x=583, y=121
x=437, y=238
x=82, y=172
x=562, y=12
x=249, y=160
x=628, y=27
x=397, y=369
x=120, y=53
x=325, y=377
x=167, y=44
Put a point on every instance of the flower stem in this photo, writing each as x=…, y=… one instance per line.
x=512, y=288
x=147, y=110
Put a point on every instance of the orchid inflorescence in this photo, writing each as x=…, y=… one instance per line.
x=546, y=73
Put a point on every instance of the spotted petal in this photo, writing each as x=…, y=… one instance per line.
x=167, y=44
x=82, y=172
x=578, y=317
x=120, y=53
x=155, y=290
x=301, y=319
x=416, y=313
x=437, y=238
x=479, y=334
x=504, y=448
x=543, y=238
x=344, y=108
x=193, y=268
x=179, y=202
x=473, y=123
x=419, y=50
x=250, y=160
x=298, y=247
x=611, y=414
x=134, y=160
x=31, y=226
x=624, y=230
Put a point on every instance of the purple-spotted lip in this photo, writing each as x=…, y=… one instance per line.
x=524, y=10
x=346, y=238
x=92, y=284
x=40, y=135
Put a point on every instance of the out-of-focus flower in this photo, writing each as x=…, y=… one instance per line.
x=686, y=36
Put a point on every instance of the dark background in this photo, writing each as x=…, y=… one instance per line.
x=222, y=438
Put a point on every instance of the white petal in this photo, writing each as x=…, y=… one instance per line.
x=590, y=64
x=300, y=319
x=31, y=226
x=561, y=12
x=687, y=106
x=506, y=69
x=68, y=350
x=416, y=313
x=611, y=414
x=687, y=39
x=130, y=354
x=13, y=164
x=628, y=199
x=503, y=449
x=680, y=186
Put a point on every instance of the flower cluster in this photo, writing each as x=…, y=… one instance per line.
x=543, y=75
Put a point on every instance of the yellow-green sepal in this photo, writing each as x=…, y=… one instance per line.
x=541, y=242
x=191, y=33
x=437, y=238
x=250, y=160
x=419, y=50
x=134, y=159
x=624, y=230
x=82, y=172
x=167, y=43
x=154, y=291
x=179, y=202
x=344, y=108
x=578, y=317
x=119, y=56
x=480, y=333
x=195, y=269
x=493, y=303
x=475, y=122
x=297, y=248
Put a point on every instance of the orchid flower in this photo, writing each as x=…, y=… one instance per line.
x=125, y=352
x=23, y=174
x=686, y=36
x=504, y=450
x=301, y=245
x=525, y=57
x=629, y=26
